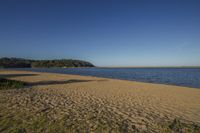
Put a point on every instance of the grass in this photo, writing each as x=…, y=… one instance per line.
x=6, y=84
x=178, y=126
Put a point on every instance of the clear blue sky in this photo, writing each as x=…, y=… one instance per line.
x=105, y=32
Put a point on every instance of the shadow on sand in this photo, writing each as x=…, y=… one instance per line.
x=51, y=82
x=15, y=75
x=58, y=82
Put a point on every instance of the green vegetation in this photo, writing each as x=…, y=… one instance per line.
x=177, y=126
x=25, y=123
x=6, y=84
x=61, y=63
x=26, y=63
x=14, y=63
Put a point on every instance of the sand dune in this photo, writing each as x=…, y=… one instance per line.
x=71, y=103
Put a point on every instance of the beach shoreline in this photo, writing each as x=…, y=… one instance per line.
x=93, y=103
x=114, y=78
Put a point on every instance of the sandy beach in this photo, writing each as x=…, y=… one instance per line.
x=70, y=103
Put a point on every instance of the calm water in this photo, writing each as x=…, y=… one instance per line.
x=174, y=76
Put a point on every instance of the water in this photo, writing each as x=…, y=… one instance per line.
x=189, y=77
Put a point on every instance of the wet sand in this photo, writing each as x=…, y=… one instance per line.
x=74, y=103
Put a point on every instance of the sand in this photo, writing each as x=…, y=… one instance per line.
x=90, y=104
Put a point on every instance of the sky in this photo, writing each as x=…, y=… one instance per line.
x=104, y=32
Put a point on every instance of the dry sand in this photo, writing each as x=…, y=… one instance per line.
x=90, y=104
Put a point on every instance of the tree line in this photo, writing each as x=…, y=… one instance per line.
x=27, y=63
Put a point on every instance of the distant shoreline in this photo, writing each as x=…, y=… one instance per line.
x=6, y=62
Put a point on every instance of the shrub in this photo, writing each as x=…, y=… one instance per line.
x=6, y=84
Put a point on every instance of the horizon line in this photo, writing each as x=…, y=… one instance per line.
x=148, y=66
